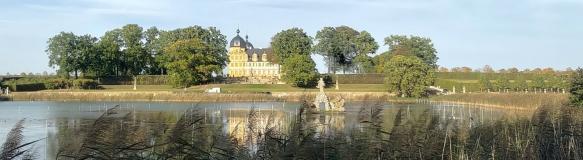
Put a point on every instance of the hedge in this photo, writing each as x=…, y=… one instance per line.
x=129, y=80
x=27, y=87
x=30, y=84
x=59, y=83
x=85, y=84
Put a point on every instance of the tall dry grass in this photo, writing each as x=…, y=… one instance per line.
x=529, y=101
x=553, y=132
x=14, y=146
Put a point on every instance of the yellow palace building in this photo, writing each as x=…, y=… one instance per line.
x=250, y=64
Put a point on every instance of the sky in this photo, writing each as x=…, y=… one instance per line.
x=500, y=33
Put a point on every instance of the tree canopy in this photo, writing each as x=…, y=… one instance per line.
x=420, y=47
x=72, y=53
x=127, y=51
x=408, y=76
x=289, y=42
x=300, y=71
x=345, y=47
x=191, y=62
x=292, y=50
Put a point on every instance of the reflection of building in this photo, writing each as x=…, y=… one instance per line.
x=238, y=123
x=254, y=64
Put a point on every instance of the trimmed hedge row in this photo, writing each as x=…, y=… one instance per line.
x=27, y=87
x=59, y=83
x=357, y=78
x=129, y=80
x=142, y=80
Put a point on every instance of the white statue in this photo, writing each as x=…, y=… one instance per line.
x=321, y=85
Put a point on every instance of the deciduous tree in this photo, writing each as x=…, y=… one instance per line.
x=420, y=47
x=408, y=76
x=210, y=36
x=365, y=44
x=300, y=70
x=191, y=62
x=289, y=42
x=342, y=45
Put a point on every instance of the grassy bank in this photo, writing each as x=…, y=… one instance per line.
x=180, y=96
x=236, y=88
x=529, y=101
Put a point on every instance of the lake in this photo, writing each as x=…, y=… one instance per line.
x=55, y=120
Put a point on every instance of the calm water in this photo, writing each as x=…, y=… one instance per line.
x=46, y=119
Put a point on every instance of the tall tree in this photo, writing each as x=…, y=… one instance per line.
x=290, y=42
x=292, y=50
x=365, y=45
x=300, y=70
x=210, y=36
x=408, y=76
x=191, y=62
x=62, y=53
x=576, y=87
x=110, y=47
x=90, y=61
x=327, y=46
x=341, y=45
x=72, y=53
x=413, y=45
x=135, y=56
x=152, y=47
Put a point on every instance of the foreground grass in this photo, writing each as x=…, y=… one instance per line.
x=518, y=100
x=551, y=133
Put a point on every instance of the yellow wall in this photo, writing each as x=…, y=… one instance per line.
x=240, y=66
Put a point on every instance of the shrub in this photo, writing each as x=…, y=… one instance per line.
x=576, y=88
x=27, y=87
x=85, y=84
x=59, y=83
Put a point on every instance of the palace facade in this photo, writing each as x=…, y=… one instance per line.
x=250, y=64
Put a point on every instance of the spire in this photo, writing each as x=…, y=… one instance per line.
x=238, y=31
x=246, y=38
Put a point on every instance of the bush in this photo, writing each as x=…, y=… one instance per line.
x=576, y=88
x=27, y=87
x=59, y=83
x=85, y=84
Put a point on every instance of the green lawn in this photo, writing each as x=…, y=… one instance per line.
x=256, y=88
x=241, y=88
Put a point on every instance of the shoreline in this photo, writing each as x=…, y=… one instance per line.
x=168, y=96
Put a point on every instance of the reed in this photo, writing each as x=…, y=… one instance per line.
x=14, y=146
x=553, y=132
x=528, y=101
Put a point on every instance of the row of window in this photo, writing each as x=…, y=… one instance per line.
x=260, y=64
x=243, y=57
x=256, y=72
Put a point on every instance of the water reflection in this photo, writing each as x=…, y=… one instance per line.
x=64, y=122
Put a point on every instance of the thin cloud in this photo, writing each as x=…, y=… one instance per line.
x=104, y=7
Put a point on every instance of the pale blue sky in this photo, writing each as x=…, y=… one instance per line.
x=501, y=33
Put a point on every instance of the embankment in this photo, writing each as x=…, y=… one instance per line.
x=183, y=96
